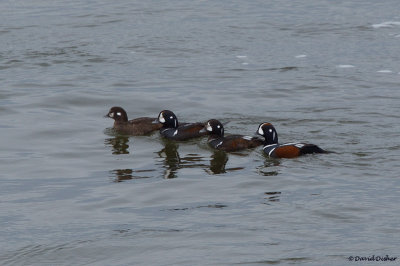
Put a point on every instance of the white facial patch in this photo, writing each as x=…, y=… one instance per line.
x=260, y=131
x=270, y=130
x=118, y=113
x=111, y=114
x=218, y=126
x=208, y=127
x=161, y=118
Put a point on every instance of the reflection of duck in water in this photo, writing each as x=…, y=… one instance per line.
x=120, y=175
x=119, y=144
x=218, y=162
x=136, y=127
x=172, y=159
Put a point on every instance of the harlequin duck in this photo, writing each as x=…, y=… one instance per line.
x=171, y=129
x=289, y=150
x=136, y=127
x=229, y=143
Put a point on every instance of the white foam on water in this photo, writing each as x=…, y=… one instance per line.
x=241, y=56
x=301, y=56
x=386, y=24
x=384, y=71
x=345, y=66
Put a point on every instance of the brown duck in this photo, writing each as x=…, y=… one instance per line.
x=136, y=127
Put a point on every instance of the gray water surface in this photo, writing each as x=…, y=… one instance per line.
x=72, y=192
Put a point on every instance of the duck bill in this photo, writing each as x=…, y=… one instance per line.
x=203, y=130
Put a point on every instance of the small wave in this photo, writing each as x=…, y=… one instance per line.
x=300, y=56
x=384, y=71
x=386, y=24
x=345, y=66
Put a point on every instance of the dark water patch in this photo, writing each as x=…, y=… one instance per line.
x=127, y=85
x=21, y=27
x=279, y=69
x=293, y=260
x=394, y=147
x=343, y=217
x=112, y=21
x=11, y=64
x=160, y=230
x=5, y=126
x=120, y=175
x=47, y=253
x=352, y=122
x=272, y=197
x=325, y=109
x=90, y=25
x=43, y=64
x=288, y=68
x=65, y=61
x=310, y=30
x=96, y=60
x=212, y=206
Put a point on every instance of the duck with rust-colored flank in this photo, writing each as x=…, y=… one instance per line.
x=230, y=143
x=171, y=129
x=288, y=150
x=136, y=127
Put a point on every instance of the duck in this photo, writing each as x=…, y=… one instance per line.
x=288, y=150
x=171, y=129
x=135, y=127
x=230, y=143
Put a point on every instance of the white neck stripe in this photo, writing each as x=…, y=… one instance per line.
x=269, y=154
